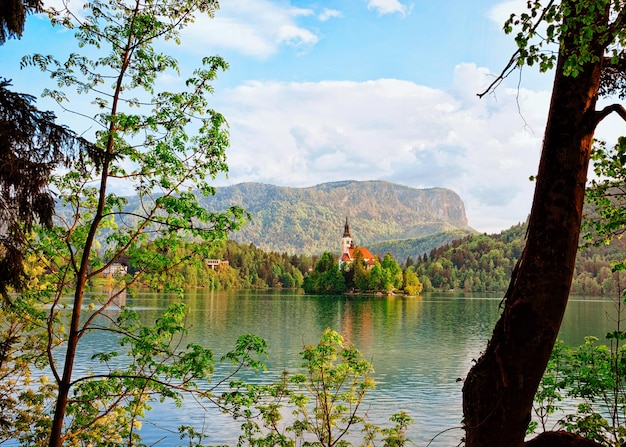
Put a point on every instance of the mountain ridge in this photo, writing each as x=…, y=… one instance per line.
x=310, y=220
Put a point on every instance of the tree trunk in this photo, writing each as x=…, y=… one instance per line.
x=499, y=389
x=56, y=430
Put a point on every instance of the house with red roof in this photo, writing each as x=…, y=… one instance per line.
x=349, y=250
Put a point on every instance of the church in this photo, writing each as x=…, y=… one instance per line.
x=349, y=251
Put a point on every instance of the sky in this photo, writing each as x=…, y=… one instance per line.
x=322, y=91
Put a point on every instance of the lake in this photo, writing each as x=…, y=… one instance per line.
x=419, y=347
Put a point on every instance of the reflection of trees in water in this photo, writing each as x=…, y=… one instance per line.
x=111, y=295
x=118, y=296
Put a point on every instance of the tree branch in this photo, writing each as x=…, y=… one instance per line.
x=512, y=64
x=618, y=24
x=506, y=71
x=617, y=108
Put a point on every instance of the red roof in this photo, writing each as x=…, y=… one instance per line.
x=367, y=255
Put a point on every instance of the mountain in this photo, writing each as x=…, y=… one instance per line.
x=311, y=220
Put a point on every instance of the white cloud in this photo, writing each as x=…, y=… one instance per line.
x=76, y=7
x=252, y=27
x=255, y=28
x=384, y=7
x=328, y=14
x=295, y=36
x=500, y=12
x=302, y=134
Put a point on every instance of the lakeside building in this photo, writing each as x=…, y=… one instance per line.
x=119, y=266
x=115, y=269
x=216, y=264
x=349, y=250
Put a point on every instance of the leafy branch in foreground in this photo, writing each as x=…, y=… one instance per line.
x=167, y=146
x=323, y=405
x=591, y=378
x=607, y=194
x=159, y=368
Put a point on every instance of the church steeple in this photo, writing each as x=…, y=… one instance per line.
x=346, y=240
x=346, y=229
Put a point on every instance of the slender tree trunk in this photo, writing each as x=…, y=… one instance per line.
x=65, y=384
x=499, y=390
x=56, y=432
x=74, y=335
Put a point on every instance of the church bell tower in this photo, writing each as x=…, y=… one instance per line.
x=346, y=240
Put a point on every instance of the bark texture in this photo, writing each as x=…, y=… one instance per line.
x=499, y=390
x=561, y=439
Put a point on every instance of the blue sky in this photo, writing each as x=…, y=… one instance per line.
x=364, y=90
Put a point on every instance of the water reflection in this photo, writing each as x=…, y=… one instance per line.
x=420, y=347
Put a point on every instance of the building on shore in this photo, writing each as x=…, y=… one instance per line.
x=215, y=264
x=349, y=251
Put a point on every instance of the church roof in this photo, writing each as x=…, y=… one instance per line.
x=367, y=255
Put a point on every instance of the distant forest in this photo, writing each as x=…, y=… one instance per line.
x=476, y=263
x=484, y=263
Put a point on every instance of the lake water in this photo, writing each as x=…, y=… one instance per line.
x=419, y=348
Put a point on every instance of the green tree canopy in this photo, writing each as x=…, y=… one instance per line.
x=166, y=145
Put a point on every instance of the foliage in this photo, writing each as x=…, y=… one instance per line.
x=591, y=376
x=472, y=270
x=411, y=283
x=31, y=147
x=22, y=350
x=13, y=16
x=391, y=273
x=477, y=263
x=110, y=403
x=407, y=250
x=326, y=278
x=545, y=30
x=384, y=276
x=557, y=19
x=166, y=145
x=483, y=263
x=606, y=194
x=320, y=406
x=242, y=266
x=258, y=268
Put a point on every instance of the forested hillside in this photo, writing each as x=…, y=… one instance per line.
x=310, y=220
x=424, y=230
x=476, y=263
x=483, y=263
x=402, y=249
x=244, y=266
